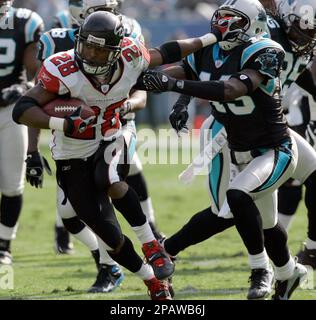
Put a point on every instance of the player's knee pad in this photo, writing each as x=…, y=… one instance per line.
x=289, y=198
x=74, y=225
x=64, y=210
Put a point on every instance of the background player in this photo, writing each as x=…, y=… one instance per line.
x=20, y=29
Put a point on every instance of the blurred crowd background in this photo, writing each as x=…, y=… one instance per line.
x=161, y=20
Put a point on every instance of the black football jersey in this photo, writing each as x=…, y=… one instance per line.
x=63, y=20
x=293, y=65
x=20, y=28
x=252, y=121
x=56, y=40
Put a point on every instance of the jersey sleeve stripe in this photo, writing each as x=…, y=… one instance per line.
x=252, y=49
x=269, y=88
x=31, y=26
x=63, y=19
x=191, y=62
x=49, y=46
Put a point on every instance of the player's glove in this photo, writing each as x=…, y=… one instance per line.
x=14, y=92
x=179, y=116
x=76, y=124
x=156, y=81
x=35, y=165
x=311, y=133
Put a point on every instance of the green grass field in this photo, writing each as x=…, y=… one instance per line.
x=214, y=270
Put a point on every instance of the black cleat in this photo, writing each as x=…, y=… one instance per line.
x=63, y=245
x=307, y=256
x=108, y=278
x=261, y=281
x=159, y=260
x=285, y=288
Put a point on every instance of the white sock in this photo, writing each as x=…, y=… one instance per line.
x=145, y=272
x=259, y=261
x=144, y=233
x=285, y=220
x=148, y=209
x=7, y=233
x=285, y=272
x=88, y=238
x=104, y=256
x=59, y=221
x=310, y=244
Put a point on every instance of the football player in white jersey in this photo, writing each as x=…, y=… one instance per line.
x=20, y=30
x=101, y=70
x=54, y=41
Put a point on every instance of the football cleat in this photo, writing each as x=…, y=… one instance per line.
x=159, y=260
x=285, y=288
x=108, y=279
x=261, y=281
x=63, y=245
x=158, y=289
x=307, y=256
x=5, y=257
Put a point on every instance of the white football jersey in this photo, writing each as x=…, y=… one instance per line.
x=60, y=74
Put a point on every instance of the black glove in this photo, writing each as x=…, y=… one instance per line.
x=156, y=81
x=311, y=133
x=179, y=116
x=76, y=124
x=35, y=163
x=14, y=92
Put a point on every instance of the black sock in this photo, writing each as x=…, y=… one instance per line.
x=10, y=210
x=275, y=242
x=127, y=256
x=73, y=225
x=138, y=183
x=130, y=208
x=201, y=226
x=310, y=202
x=247, y=219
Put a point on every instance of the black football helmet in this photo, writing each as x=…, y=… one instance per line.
x=98, y=43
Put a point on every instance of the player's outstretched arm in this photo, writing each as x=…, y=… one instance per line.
x=174, y=51
x=238, y=85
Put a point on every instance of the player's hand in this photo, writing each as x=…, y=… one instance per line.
x=125, y=108
x=156, y=81
x=35, y=165
x=225, y=30
x=311, y=133
x=14, y=92
x=178, y=117
x=76, y=124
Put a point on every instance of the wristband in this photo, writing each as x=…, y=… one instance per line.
x=56, y=123
x=208, y=39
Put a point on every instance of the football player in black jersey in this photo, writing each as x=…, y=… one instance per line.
x=248, y=105
x=20, y=30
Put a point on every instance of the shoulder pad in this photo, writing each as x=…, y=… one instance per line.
x=135, y=53
x=63, y=19
x=23, y=13
x=258, y=44
x=33, y=27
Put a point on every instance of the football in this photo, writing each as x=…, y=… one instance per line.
x=61, y=108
